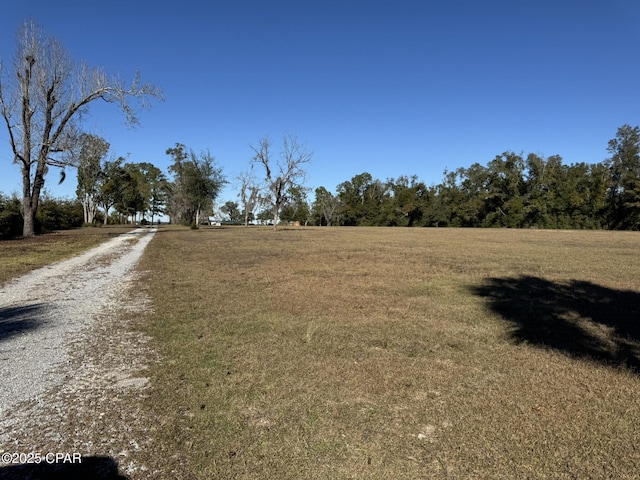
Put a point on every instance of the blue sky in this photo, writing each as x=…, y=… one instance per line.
x=392, y=88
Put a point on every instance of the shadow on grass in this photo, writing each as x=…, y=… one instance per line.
x=578, y=318
x=15, y=320
x=97, y=468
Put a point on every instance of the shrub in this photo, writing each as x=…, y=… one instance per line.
x=10, y=217
x=58, y=214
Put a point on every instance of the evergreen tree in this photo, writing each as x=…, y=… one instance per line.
x=624, y=168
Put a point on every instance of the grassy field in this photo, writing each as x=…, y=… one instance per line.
x=20, y=256
x=382, y=353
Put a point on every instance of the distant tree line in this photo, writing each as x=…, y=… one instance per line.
x=45, y=94
x=111, y=190
x=511, y=190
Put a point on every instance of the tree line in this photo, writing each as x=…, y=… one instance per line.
x=111, y=190
x=43, y=98
x=512, y=190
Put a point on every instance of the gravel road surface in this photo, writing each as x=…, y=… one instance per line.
x=65, y=359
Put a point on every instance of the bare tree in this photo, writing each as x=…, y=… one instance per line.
x=250, y=194
x=41, y=100
x=285, y=172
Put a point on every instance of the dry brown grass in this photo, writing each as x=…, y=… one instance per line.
x=371, y=353
x=22, y=255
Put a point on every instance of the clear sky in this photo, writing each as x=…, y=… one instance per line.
x=392, y=88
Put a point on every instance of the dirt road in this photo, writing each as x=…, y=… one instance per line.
x=71, y=367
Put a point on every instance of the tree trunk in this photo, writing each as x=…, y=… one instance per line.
x=89, y=210
x=29, y=217
x=275, y=217
x=30, y=200
x=93, y=209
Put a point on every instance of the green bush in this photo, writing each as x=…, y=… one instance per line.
x=53, y=214
x=10, y=217
x=58, y=214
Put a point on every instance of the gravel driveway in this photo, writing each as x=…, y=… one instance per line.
x=67, y=354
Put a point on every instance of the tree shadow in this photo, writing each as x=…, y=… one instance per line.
x=95, y=468
x=579, y=318
x=15, y=320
